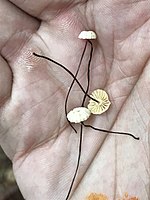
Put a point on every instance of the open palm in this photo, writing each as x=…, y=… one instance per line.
x=34, y=132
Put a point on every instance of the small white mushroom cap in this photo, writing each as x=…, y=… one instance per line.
x=103, y=102
x=91, y=35
x=78, y=115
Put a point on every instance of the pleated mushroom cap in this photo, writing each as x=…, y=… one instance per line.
x=78, y=115
x=90, y=35
x=103, y=102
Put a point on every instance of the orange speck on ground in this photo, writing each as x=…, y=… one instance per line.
x=127, y=197
x=133, y=198
x=94, y=196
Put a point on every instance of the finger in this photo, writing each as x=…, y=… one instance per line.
x=45, y=8
x=13, y=20
x=5, y=91
x=5, y=81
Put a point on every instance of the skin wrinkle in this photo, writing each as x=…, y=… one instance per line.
x=42, y=143
x=107, y=55
x=138, y=78
x=99, y=65
x=148, y=90
x=60, y=85
x=148, y=173
x=38, y=103
x=105, y=61
x=147, y=155
x=126, y=79
x=144, y=65
x=116, y=98
x=137, y=29
x=148, y=187
x=116, y=167
x=23, y=44
x=23, y=156
x=141, y=179
x=42, y=39
x=87, y=168
x=4, y=100
x=11, y=127
x=31, y=83
x=144, y=125
x=138, y=94
x=140, y=25
x=19, y=2
x=138, y=112
x=136, y=36
x=32, y=148
x=123, y=73
x=135, y=1
x=107, y=71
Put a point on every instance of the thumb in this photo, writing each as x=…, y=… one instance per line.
x=5, y=82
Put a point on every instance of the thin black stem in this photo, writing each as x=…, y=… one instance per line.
x=107, y=131
x=88, y=73
x=78, y=162
x=81, y=135
x=67, y=70
x=66, y=101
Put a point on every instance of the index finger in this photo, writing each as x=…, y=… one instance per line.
x=46, y=8
x=12, y=21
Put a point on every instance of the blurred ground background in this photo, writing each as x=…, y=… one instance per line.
x=8, y=186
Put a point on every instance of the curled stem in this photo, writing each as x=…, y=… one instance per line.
x=107, y=131
x=67, y=70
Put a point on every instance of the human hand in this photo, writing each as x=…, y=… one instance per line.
x=32, y=95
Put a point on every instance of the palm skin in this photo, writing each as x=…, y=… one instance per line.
x=34, y=132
